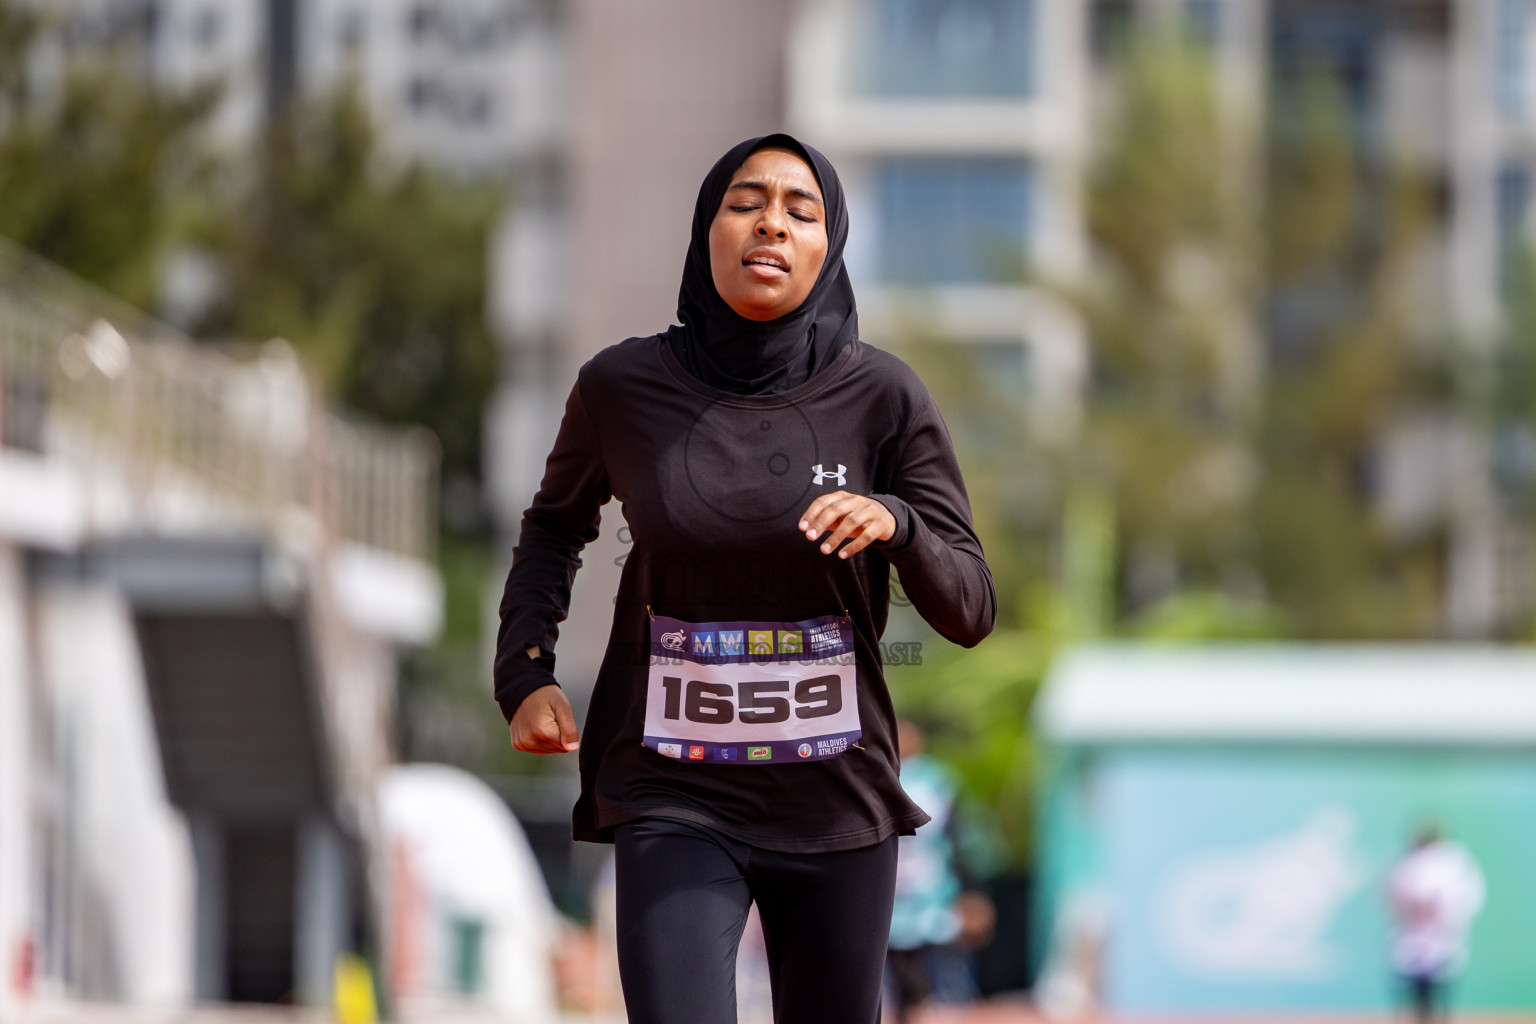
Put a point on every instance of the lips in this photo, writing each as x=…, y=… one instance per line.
x=767, y=261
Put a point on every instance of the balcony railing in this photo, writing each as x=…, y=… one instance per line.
x=171, y=434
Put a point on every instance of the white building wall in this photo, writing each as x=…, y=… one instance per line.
x=462, y=84
x=16, y=867
x=131, y=858
x=198, y=42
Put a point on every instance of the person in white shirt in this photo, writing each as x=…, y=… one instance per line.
x=1436, y=890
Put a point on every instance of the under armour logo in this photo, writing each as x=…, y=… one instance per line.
x=821, y=475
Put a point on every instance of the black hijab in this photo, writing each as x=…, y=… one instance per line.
x=749, y=357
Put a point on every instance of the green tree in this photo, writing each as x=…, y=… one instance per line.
x=1252, y=336
x=376, y=273
x=1252, y=340
x=1510, y=373
x=94, y=173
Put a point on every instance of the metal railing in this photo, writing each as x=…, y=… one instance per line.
x=185, y=430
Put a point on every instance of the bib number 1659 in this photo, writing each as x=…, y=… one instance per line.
x=755, y=703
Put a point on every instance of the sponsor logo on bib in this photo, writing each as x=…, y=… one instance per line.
x=737, y=692
x=825, y=638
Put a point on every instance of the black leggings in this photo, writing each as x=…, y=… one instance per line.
x=683, y=896
x=1427, y=997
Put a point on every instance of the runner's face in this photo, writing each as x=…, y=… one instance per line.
x=769, y=238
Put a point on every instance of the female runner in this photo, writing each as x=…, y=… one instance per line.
x=740, y=744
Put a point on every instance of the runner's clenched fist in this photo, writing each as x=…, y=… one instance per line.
x=544, y=723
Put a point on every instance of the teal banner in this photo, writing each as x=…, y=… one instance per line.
x=1254, y=879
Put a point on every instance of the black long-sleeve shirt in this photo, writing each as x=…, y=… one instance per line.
x=712, y=486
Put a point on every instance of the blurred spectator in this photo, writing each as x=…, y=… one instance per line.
x=1071, y=982
x=1436, y=889
x=935, y=924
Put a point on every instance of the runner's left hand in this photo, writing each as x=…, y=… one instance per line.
x=856, y=518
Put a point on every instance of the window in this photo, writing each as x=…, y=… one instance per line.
x=353, y=29
x=949, y=48
x=208, y=27
x=476, y=108
x=1514, y=205
x=1111, y=24
x=422, y=93
x=1511, y=66
x=1339, y=39
x=467, y=944
x=948, y=220
x=423, y=20
x=1427, y=19
x=1004, y=362
x=1203, y=19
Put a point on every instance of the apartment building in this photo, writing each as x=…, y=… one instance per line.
x=960, y=130
x=1443, y=87
x=465, y=85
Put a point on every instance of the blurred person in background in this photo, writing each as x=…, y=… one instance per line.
x=936, y=925
x=1435, y=889
x=773, y=469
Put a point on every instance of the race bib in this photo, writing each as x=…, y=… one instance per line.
x=751, y=692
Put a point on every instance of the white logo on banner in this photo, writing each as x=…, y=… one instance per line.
x=1264, y=910
x=672, y=641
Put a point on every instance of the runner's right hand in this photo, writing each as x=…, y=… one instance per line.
x=544, y=723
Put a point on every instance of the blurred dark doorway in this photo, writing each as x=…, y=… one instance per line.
x=260, y=866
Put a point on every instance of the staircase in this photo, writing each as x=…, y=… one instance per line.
x=274, y=555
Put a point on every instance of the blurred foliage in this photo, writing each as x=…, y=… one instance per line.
x=1512, y=388
x=91, y=171
x=1511, y=402
x=1256, y=326
x=445, y=712
x=1251, y=323
x=973, y=706
x=375, y=272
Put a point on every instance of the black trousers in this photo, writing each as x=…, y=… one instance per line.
x=1426, y=996
x=683, y=896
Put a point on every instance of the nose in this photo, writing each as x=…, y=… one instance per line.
x=772, y=222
